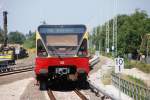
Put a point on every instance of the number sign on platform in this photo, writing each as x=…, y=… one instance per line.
x=119, y=65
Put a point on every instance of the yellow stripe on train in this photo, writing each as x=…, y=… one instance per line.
x=6, y=57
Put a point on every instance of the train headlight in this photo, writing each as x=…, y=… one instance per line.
x=81, y=70
x=43, y=71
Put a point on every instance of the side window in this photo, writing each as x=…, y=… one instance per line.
x=83, y=48
x=41, y=51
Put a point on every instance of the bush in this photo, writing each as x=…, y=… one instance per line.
x=29, y=43
x=138, y=64
x=128, y=64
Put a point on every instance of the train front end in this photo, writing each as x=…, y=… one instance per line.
x=62, y=53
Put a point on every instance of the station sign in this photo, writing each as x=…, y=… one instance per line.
x=119, y=65
x=17, y=51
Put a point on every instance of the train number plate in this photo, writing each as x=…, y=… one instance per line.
x=62, y=71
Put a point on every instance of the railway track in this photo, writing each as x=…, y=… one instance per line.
x=76, y=91
x=15, y=69
x=82, y=96
x=100, y=92
x=51, y=95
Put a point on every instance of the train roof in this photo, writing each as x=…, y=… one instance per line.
x=63, y=26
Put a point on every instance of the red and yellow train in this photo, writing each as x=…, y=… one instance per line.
x=61, y=53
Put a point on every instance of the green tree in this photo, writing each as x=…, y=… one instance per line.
x=30, y=40
x=16, y=37
x=131, y=30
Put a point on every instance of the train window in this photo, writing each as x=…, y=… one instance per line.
x=62, y=40
x=83, y=48
x=41, y=51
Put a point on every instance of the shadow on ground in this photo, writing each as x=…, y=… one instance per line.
x=68, y=85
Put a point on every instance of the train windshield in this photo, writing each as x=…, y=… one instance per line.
x=62, y=40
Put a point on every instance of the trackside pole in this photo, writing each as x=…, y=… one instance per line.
x=119, y=88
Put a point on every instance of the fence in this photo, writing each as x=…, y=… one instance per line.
x=133, y=90
x=94, y=60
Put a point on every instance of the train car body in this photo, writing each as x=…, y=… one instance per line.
x=61, y=53
x=8, y=54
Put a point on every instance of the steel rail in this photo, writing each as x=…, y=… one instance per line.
x=51, y=95
x=83, y=97
x=4, y=69
x=103, y=92
x=18, y=70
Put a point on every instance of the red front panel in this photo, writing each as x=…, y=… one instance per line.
x=80, y=63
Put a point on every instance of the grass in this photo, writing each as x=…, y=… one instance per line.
x=106, y=80
x=107, y=54
x=134, y=80
x=137, y=64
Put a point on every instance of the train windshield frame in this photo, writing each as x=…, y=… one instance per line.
x=68, y=38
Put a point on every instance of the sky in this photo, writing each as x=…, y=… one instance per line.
x=25, y=15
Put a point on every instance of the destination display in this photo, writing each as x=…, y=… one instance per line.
x=61, y=30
